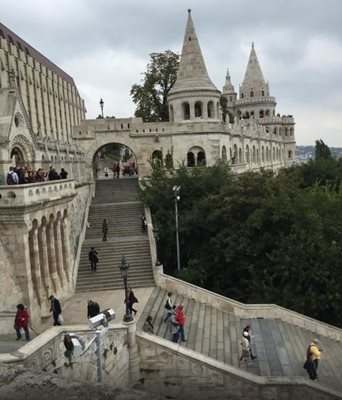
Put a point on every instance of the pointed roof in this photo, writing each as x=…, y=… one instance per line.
x=253, y=75
x=228, y=87
x=192, y=73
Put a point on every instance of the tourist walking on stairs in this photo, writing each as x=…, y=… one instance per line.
x=105, y=229
x=148, y=325
x=174, y=325
x=92, y=255
x=247, y=333
x=93, y=309
x=131, y=299
x=313, y=355
x=245, y=349
x=22, y=318
x=56, y=310
x=168, y=307
x=181, y=321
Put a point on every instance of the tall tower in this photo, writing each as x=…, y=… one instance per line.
x=193, y=97
x=254, y=94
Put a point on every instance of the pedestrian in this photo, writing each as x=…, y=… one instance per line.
x=105, y=229
x=12, y=177
x=168, y=307
x=117, y=170
x=174, y=325
x=22, y=318
x=53, y=175
x=130, y=300
x=143, y=223
x=56, y=310
x=245, y=348
x=313, y=355
x=92, y=255
x=148, y=325
x=93, y=309
x=181, y=321
x=105, y=170
x=247, y=333
x=63, y=174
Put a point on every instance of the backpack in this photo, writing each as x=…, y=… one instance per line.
x=10, y=179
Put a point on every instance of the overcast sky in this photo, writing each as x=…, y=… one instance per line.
x=105, y=45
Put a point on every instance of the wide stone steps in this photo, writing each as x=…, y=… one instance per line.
x=116, y=201
x=280, y=347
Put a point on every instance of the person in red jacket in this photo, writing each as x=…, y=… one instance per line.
x=180, y=318
x=22, y=318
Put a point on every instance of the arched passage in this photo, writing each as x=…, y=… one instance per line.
x=114, y=160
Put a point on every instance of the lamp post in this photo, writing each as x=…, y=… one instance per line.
x=176, y=192
x=156, y=238
x=124, y=273
x=101, y=105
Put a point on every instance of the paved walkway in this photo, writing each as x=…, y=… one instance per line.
x=75, y=312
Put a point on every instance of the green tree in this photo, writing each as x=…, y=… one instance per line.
x=151, y=96
x=322, y=150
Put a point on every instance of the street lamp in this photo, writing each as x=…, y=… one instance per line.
x=124, y=273
x=156, y=238
x=101, y=105
x=176, y=192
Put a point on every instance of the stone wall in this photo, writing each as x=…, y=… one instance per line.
x=175, y=372
x=46, y=353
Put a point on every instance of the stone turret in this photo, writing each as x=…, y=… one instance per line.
x=255, y=100
x=193, y=96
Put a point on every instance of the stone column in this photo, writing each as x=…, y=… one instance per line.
x=50, y=238
x=35, y=265
x=44, y=259
x=134, y=370
x=58, y=251
x=67, y=262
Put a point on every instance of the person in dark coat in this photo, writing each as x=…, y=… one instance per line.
x=22, y=318
x=131, y=299
x=148, y=325
x=93, y=309
x=105, y=229
x=92, y=255
x=55, y=309
x=63, y=174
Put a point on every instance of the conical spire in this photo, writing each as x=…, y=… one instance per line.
x=192, y=73
x=253, y=76
x=228, y=87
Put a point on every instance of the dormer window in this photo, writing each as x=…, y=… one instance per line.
x=252, y=93
x=262, y=93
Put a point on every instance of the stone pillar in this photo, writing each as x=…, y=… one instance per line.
x=35, y=265
x=67, y=261
x=58, y=251
x=50, y=238
x=44, y=267
x=134, y=370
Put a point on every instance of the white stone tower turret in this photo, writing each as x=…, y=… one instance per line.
x=228, y=91
x=193, y=97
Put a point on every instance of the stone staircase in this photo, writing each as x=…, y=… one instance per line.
x=116, y=200
x=280, y=347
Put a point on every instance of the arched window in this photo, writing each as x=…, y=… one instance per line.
x=224, y=153
x=257, y=155
x=252, y=93
x=230, y=154
x=201, y=158
x=242, y=96
x=267, y=113
x=210, y=108
x=286, y=131
x=261, y=114
x=262, y=154
x=253, y=154
x=171, y=114
x=252, y=114
x=190, y=159
x=247, y=154
x=262, y=93
x=157, y=157
x=290, y=154
x=275, y=131
x=198, y=109
x=186, y=110
x=240, y=156
x=274, y=154
x=267, y=153
x=291, y=131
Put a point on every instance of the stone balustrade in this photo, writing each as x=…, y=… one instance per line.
x=35, y=193
x=174, y=371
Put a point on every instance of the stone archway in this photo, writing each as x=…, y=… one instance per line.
x=114, y=158
x=21, y=151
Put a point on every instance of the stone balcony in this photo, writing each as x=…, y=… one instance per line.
x=36, y=193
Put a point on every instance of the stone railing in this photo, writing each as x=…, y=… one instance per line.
x=174, y=371
x=35, y=193
x=46, y=353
